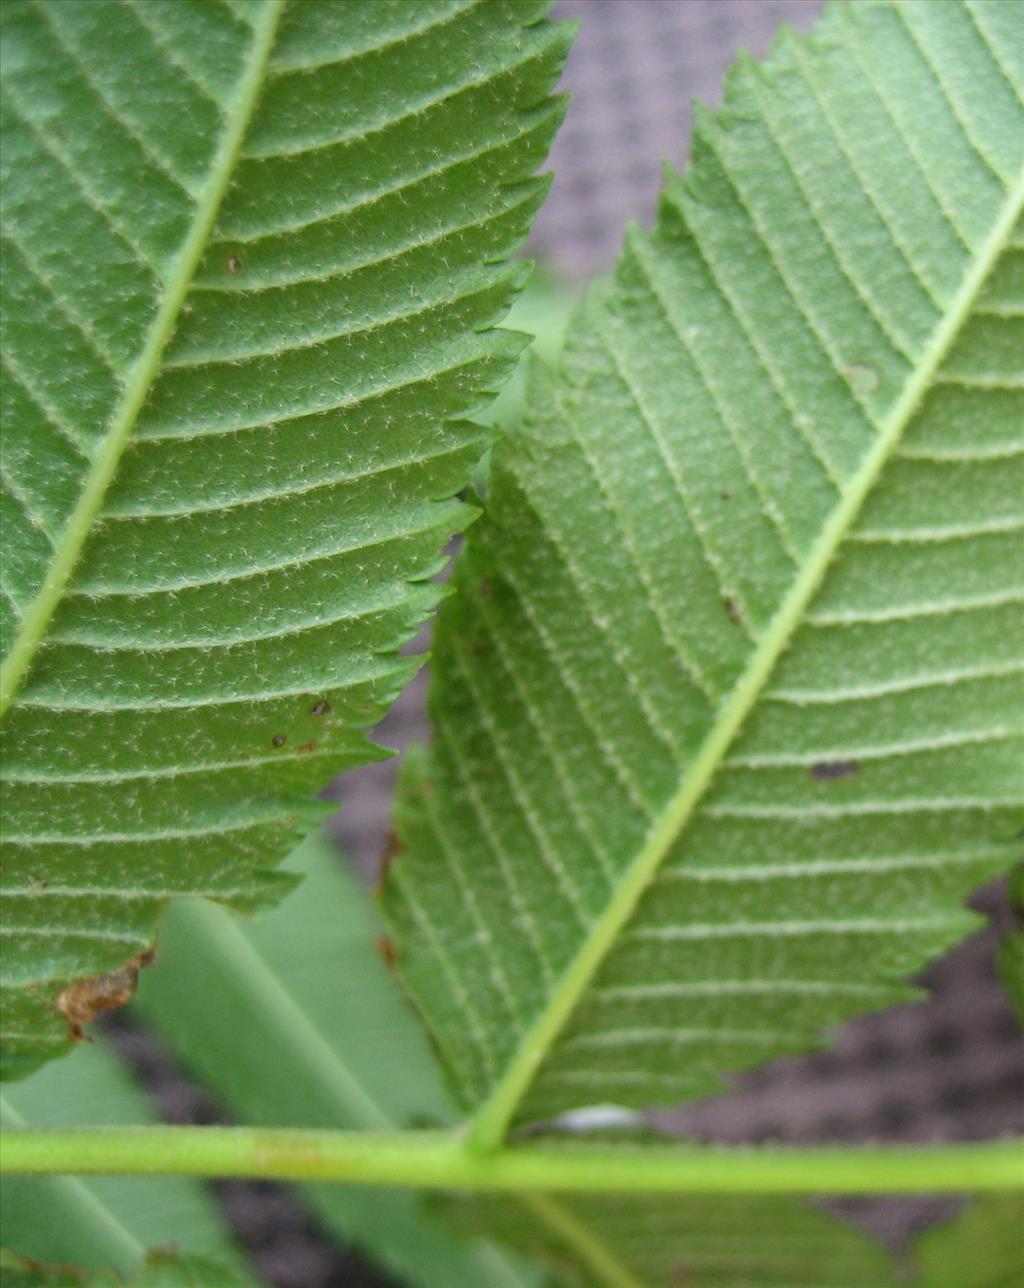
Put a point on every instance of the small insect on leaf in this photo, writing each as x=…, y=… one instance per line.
x=83, y=1000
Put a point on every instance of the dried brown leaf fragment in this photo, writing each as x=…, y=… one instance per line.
x=82, y=1001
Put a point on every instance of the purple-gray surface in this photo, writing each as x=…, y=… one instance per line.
x=634, y=71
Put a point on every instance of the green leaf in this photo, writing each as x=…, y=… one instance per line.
x=99, y=1221
x=160, y=1271
x=254, y=256
x=305, y=1028
x=20, y=1273
x=643, y=1241
x=542, y=312
x=725, y=706
x=980, y=1248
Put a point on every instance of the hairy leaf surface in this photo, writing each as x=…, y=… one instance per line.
x=254, y=255
x=728, y=707
x=305, y=1028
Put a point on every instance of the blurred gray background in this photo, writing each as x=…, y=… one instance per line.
x=634, y=71
x=951, y=1068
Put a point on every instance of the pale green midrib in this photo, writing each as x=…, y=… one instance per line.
x=492, y=1120
x=147, y=367
x=284, y=1015
x=599, y=1259
x=112, y=1240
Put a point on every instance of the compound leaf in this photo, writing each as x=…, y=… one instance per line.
x=254, y=257
x=728, y=706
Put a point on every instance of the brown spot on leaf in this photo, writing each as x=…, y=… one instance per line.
x=278, y=740
x=726, y=496
x=307, y=746
x=485, y=588
x=392, y=849
x=386, y=948
x=233, y=265
x=320, y=708
x=83, y=1000
x=732, y=610
x=44, y=1272
x=825, y=771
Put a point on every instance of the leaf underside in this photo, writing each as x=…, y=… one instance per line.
x=643, y=1241
x=728, y=1242
x=305, y=1028
x=253, y=265
x=728, y=707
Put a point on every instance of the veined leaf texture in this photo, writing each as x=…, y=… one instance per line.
x=254, y=257
x=728, y=705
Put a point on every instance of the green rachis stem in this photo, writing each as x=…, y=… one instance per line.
x=440, y=1160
